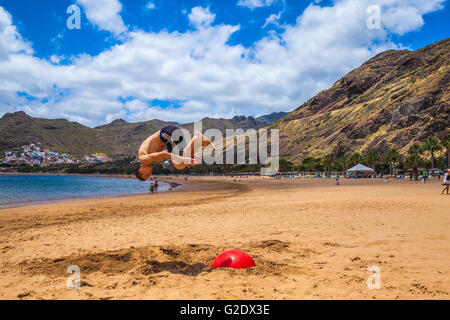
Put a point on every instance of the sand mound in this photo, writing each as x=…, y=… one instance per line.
x=189, y=260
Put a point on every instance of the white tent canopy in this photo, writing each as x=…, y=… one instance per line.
x=360, y=168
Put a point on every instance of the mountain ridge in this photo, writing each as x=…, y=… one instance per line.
x=118, y=138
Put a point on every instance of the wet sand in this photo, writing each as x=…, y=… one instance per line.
x=309, y=238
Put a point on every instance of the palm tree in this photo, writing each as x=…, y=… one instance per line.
x=311, y=164
x=414, y=160
x=392, y=156
x=416, y=149
x=432, y=145
x=327, y=162
x=355, y=158
x=445, y=143
x=372, y=157
x=345, y=162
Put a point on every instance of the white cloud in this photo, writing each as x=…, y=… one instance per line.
x=10, y=40
x=252, y=4
x=201, y=17
x=199, y=70
x=150, y=5
x=273, y=19
x=405, y=15
x=105, y=14
x=56, y=59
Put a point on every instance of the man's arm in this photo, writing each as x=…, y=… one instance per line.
x=148, y=159
x=182, y=162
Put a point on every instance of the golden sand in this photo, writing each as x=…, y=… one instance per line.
x=309, y=238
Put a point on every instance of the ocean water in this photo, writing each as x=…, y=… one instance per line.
x=22, y=189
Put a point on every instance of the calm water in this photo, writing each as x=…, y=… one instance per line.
x=18, y=189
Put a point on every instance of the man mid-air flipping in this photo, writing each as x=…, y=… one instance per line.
x=152, y=151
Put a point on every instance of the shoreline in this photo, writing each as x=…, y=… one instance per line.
x=123, y=176
x=173, y=186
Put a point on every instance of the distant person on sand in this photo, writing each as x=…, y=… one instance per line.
x=446, y=183
x=424, y=176
x=156, y=185
x=152, y=187
x=152, y=151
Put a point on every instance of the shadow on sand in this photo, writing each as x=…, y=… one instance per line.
x=175, y=267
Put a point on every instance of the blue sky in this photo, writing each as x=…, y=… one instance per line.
x=185, y=60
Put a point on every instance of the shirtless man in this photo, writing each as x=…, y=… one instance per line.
x=152, y=151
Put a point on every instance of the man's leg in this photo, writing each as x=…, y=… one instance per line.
x=179, y=162
x=199, y=141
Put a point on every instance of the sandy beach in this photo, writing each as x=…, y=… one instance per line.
x=309, y=238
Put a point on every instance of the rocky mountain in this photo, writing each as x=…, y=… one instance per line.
x=118, y=139
x=17, y=129
x=268, y=119
x=392, y=100
x=122, y=139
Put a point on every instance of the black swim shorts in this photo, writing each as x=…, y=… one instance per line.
x=171, y=144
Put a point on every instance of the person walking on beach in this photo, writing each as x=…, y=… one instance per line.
x=156, y=186
x=152, y=151
x=446, y=183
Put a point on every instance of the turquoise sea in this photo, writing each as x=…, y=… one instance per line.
x=23, y=189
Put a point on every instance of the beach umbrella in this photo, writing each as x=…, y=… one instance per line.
x=235, y=259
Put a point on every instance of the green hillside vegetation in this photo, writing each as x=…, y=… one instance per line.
x=432, y=153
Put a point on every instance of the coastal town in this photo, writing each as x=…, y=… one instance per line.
x=36, y=154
